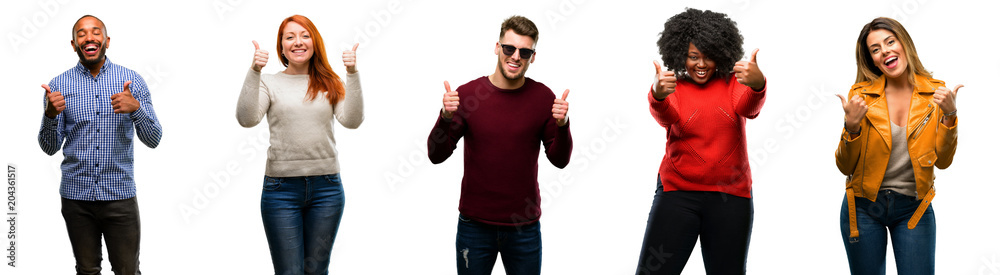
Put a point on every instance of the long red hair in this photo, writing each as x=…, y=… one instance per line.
x=321, y=75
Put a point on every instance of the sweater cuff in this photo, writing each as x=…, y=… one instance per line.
x=656, y=103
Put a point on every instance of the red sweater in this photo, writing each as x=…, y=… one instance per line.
x=706, y=135
x=503, y=130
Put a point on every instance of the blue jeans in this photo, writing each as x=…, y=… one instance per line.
x=301, y=216
x=913, y=248
x=477, y=245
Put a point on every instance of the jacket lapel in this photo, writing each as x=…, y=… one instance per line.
x=878, y=109
x=920, y=105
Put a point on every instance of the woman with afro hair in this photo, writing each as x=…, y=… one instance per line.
x=703, y=98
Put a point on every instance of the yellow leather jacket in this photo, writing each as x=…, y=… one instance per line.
x=929, y=142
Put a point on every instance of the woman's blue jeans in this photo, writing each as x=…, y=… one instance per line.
x=301, y=216
x=889, y=213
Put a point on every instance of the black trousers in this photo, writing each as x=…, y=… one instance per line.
x=678, y=218
x=117, y=221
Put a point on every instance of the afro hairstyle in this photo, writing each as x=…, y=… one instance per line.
x=713, y=33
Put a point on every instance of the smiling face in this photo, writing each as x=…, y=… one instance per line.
x=513, y=66
x=699, y=67
x=296, y=44
x=887, y=53
x=90, y=42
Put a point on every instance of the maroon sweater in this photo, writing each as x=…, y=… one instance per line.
x=706, y=135
x=502, y=130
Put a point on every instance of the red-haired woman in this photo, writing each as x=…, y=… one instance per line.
x=899, y=124
x=302, y=199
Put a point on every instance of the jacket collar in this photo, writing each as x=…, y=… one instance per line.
x=878, y=108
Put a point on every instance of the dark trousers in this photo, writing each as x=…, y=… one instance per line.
x=678, y=218
x=117, y=221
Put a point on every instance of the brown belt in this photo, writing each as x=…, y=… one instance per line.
x=853, y=212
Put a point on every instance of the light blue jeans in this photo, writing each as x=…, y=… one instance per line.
x=301, y=216
x=913, y=248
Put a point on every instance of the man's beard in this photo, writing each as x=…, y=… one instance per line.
x=83, y=59
x=503, y=71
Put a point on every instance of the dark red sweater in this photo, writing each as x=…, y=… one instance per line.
x=502, y=130
x=706, y=135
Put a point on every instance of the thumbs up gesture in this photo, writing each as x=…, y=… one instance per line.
x=664, y=83
x=854, y=112
x=259, y=57
x=124, y=102
x=56, y=104
x=351, y=59
x=747, y=73
x=450, y=101
x=559, y=109
x=945, y=98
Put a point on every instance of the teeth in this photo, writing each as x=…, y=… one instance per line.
x=891, y=59
x=514, y=65
x=701, y=73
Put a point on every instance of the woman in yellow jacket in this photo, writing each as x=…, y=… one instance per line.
x=899, y=123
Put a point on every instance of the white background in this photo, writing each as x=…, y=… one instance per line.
x=199, y=191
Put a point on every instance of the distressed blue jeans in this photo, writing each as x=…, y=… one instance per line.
x=477, y=245
x=301, y=216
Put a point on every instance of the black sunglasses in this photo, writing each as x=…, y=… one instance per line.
x=524, y=52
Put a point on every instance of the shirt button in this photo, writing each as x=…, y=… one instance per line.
x=96, y=96
x=98, y=130
x=98, y=147
x=98, y=113
x=97, y=165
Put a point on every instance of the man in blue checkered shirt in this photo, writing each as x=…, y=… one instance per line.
x=90, y=111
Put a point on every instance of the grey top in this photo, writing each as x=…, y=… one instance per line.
x=302, y=142
x=899, y=172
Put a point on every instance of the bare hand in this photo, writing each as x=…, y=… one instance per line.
x=450, y=101
x=945, y=98
x=854, y=112
x=747, y=73
x=351, y=59
x=559, y=109
x=259, y=57
x=56, y=103
x=664, y=83
x=124, y=102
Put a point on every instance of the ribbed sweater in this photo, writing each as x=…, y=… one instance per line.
x=302, y=142
x=706, y=135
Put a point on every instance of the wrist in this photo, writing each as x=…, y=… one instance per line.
x=445, y=114
x=854, y=129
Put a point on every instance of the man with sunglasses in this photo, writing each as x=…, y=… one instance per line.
x=503, y=117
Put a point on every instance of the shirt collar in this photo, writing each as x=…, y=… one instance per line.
x=85, y=70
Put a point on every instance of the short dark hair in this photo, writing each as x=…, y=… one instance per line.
x=714, y=34
x=104, y=28
x=521, y=25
